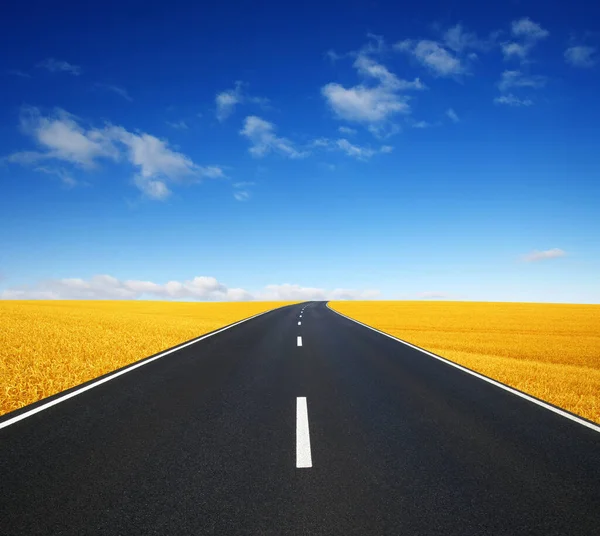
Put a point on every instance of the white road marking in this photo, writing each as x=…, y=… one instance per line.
x=521, y=394
x=299, y=323
x=303, y=457
x=299, y=340
x=85, y=388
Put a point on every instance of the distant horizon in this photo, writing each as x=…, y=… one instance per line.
x=419, y=152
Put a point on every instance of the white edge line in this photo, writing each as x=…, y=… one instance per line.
x=119, y=373
x=303, y=454
x=516, y=392
x=299, y=340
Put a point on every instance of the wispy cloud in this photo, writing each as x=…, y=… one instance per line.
x=511, y=100
x=200, y=288
x=117, y=90
x=536, y=255
x=376, y=100
x=517, y=79
x=226, y=101
x=60, y=137
x=178, y=125
x=528, y=33
x=434, y=56
x=528, y=29
x=241, y=190
x=17, y=72
x=59, y=66
x=347, y=131
x=452, y=115
x=65, y=177
x=263, y=139
x=581, y=56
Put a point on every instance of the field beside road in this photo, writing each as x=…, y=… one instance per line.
x=49, y=346
x=551, y=351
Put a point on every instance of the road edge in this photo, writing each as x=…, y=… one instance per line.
x=547, y=405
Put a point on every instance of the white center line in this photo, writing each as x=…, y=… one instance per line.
x=303, y=457
x=299, y=340
x=299, y=323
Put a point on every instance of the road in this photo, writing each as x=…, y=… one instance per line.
x=249, y=432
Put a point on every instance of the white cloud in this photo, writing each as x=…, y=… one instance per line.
x=347, y=130
x=512, y=79
x=457, y=39
x=536, y=255
x=511, y=50
x=350, y=149
x=368, y=104
x=63, y=139
x=433, y=295
x=63, y=175
x=17, y=72
x=511, y=100
x=421, y=124
x=57, y=66
x=432, y=55
x=452, y=115
x=262, y=136
x=241, y=190
x=200, y=288
x=361, y=153
x=528, y=29
x=122, y=92
x=227, y=101
x=581, y=56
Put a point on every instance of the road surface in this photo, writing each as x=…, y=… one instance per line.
x=296, y=425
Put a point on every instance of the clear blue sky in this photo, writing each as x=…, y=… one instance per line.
x=239, y=150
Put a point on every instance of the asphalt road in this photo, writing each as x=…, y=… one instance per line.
x=208, y=439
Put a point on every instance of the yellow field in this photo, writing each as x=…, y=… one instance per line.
x=551, y=351
x=49, y=346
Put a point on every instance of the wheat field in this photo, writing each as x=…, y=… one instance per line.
x=551, y=351
x=49, y=346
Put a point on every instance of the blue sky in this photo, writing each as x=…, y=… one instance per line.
x=273, y=150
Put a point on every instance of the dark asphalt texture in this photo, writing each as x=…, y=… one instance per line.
x=203, y=441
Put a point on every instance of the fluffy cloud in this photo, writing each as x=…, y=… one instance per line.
x=528, y=29
x=226, y=101
x=511, y=100
x=529, y=33
x=263, y=139
x=347, y=131
x=437, y=59
x=581, y=56
x=201, y=288
x=376, y=100
x=58, y=66
x=536, y=255
x=61, y=138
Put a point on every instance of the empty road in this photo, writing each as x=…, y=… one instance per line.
x=298, y=421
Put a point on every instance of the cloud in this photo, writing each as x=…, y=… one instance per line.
x=200, y=288
x=512, y=79
x=263, y=139
x=360, y=153
x=511, y=50
x=117, y=90
x=58, y=66
x=581, y=56
x=61, y=138
x=432, y=55
x=452, y=115
x=347, y=130
x=528, y=29
x=17, y=72
x=377, y=99
x=511, y=100
x=459, y=40
x=178, y=125
x=241, y=190
x=421, y=124
x=536, y=255
x=433, y=295
x=63, y=175
x=227, y=100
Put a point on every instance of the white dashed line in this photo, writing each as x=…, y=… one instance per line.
x=299, y=340
x=303, y=457
x=299, y=323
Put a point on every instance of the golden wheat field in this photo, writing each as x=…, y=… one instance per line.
x=49, y=346
x=551, y=351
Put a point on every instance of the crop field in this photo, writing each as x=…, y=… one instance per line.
x=551, y=351
x=49, y=346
